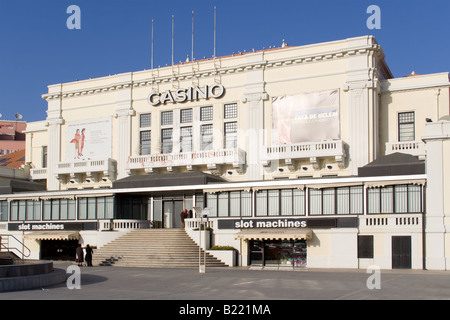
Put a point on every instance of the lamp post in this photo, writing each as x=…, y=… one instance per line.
x=201, y=214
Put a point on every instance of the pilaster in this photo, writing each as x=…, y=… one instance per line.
x=437, y=220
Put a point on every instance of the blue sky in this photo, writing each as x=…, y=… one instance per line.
x=37, y=49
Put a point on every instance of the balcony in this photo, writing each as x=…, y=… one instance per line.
x=307, y=150
x=213, y=159
x=87, y=170
x=414, y=148
x=38, y=174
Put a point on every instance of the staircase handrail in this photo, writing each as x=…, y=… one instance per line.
x=9, y=249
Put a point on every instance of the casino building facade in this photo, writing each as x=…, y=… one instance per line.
x=306, y=156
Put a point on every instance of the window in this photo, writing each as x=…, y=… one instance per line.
x=166, y=141
x=207, y=136
x=186, y=139
x=3, y=210
x=230, y=111
x=44, y=157
x=230, y=135
x=145, y=120
x=406, y=126
x=206, y=114
x=365, y=247
x=395, y=199
x=166, y=118
x=186, y=115
x=145, y=142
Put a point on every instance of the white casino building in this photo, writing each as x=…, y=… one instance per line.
x=309, y=156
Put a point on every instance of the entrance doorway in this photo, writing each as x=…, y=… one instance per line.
x=278, y=253
x=171, y=213
x=63, y=250
x=401, y=252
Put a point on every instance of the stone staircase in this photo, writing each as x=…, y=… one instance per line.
x=157, y=248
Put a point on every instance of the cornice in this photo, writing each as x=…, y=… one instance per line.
x=195, y=74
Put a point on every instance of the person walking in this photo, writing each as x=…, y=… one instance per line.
x=79, y=255
x=88, y=257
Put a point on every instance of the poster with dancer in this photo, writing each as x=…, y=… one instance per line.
x=306, y=117
x=89, y=139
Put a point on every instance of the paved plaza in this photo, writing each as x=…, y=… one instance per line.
x=114, y=283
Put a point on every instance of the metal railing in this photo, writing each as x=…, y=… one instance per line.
x=6, y=246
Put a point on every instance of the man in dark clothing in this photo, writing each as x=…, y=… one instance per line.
x=88, y=257
x=79, y=255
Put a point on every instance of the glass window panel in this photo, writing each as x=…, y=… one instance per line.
x=92, y=208
x=235, y=203
x=30, y=210
x=387, y=199
x=167, y=143
x=328, y=201
x=274, y=202
x=343, y=200
x=211, y=201
x=64, y=209
x=223, y=204
x=373, y=200
x=166, y=118
x=299, y=202
x=356, y=200
x=206, y=114
x=401, y=199
x=47, y=209
x=101, y=208
x=82, y=208
x=186, y=115
x=186, y=139
x=246, y=204
x=109, y=208
x=22, y=209
x=72, y=210
x=145, y=142
x=261, y=203
x=315, y=201
x=145, y=120
x=14, y=210
x=230, y=135
x=230, y=111
x=3, y=210
x=199, y=200
x=406, y=126
x=37, y=210
x=414, y=198
x=207, y=136
x=55, y=209
x=286, y=202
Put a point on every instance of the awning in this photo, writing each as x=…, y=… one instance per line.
x=55, y=235
x=275, y=234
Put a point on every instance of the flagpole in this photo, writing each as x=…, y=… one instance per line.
x=215, y=23
x=152, y=46
x=192, y=52
x=173, y=34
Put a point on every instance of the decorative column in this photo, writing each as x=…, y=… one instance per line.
x=254, y=134
x=437, y=217
x=54, y=122
x=124, y=112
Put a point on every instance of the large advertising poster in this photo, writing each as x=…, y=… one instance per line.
x=89, y=139
x=306, y=117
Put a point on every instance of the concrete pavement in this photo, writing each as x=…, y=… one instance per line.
x=114, y=283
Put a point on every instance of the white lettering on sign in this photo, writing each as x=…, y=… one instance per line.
x=45, y=226
x=215, y=91
x=280, y=223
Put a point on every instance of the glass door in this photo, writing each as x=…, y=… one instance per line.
x=172, y=213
